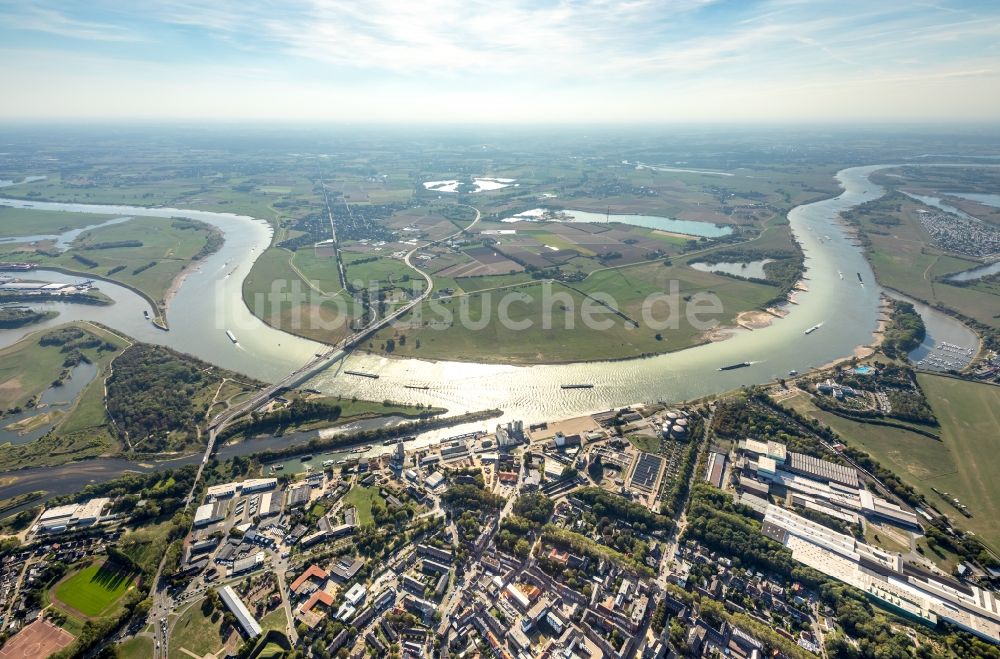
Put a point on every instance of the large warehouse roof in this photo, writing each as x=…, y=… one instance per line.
x=243, y=616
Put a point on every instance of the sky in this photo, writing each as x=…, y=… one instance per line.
x=483, y=61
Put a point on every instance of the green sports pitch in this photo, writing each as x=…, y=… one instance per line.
x=95, y=589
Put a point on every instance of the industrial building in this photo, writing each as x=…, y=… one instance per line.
x=822, y=470
x=210, y=513
x=885, y=576
x=816, y=484
x=299, y=496
x=232, y=601
x=72, y=516
x=716, y=469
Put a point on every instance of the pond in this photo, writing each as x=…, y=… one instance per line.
x=976, y=273
x=685, y=227
x=749, y=269
x=482, y=184
x=18, y=429
x=63, y=240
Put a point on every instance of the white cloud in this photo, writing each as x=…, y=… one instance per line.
x=479, y=60
x=50, y=21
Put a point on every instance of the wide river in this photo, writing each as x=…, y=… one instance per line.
x=842, y=296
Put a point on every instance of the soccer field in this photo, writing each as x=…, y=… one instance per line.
x=94, y=590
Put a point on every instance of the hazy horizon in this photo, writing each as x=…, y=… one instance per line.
x=588, y=62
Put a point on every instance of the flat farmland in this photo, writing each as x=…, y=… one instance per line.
x=15, y=222
x=442, y=333
x=321, y=271
x=268, y=292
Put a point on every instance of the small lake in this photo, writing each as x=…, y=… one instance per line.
x=483, y=184
x=65, y=239
x=752, y=269
x=6, y=182
x=686, y=227
x=988, y=199
x=977, y=272
x=53, y=399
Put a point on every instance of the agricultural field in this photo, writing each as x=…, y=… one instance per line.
x=320, y=272
x=293, y=306
x=95, y=590
x=929, y=180
x=169, y=183
x=526, y=339
x=365, y=272
x=16, y=222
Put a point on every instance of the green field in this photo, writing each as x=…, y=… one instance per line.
x=472, y=284
x=139, y=647
x=384, y=271
x=645, y=443
x=176, y=189
x=362, y=498
x=568, y=337
x=322, y=272
x=146, y=545
x=962, y=463
x=169, y=248
x=276, y=620
x=195, y=632
x=95, y=590
x=15, y=222
x=904, y=258
x=276, y=293
x=27, y=368
x=970, y=426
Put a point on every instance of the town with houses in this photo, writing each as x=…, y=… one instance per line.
x=597, y=536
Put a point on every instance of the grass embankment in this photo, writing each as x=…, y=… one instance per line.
x=568, y=338
x=28, y=368
x=144, y=253
x=961, y=463
x=276, y=294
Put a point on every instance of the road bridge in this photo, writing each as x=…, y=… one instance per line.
x=321, y=361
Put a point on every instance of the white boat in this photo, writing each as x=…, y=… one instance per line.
x=814, y=328
x=232, y=337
